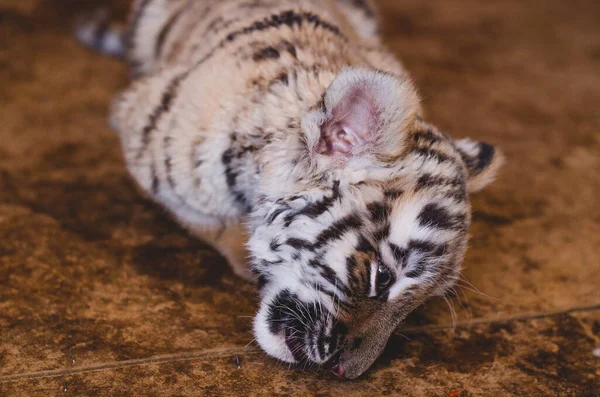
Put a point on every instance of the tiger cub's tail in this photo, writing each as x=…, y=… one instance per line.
x=97, y=32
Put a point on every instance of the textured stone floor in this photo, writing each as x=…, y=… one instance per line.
x=101, y=294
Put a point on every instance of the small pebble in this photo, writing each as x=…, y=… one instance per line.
x=597, y=352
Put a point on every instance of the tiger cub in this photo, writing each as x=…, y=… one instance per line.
x=285, y=134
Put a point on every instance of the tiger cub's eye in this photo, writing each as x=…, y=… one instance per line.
x=384, y=276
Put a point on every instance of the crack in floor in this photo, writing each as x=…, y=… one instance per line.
x=233, y=351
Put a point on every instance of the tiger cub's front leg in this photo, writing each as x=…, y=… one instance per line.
x=229, y=241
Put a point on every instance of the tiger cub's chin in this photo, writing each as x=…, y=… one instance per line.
x=286, y=135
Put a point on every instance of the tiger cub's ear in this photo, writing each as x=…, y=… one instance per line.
x=483, y=162
x=363, y=114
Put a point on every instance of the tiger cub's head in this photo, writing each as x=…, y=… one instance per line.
x=373, y=221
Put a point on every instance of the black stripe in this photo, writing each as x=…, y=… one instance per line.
x=458, y=193
x=265, y=53
x=168, y=161
x=484, y=157
x=218, y=24
x=476, y=164
x=400, y=254
x=457, y=186
x=272, y=52
x=428, y=137
x=289, y=47
x=428, y=180
x=322, y=288
x=274, y=245
x=434, y=215
x=364, y=245
x=383, y=233
x=195, y=156
x=314, y=263
x=165, y=105
x=393, y=194
x=329, y=275
x=315, y=209
x=231, y=175
x=430, y=153
x=261, y=281
x=282, y=78
x=275, y=214
x=378, y=211
x=337, y=230
x=426, y=247
x=299, y=243
x=320, y=343
x=164, y=32
x=155, y=181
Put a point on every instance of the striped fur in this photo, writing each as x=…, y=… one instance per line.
x=284, y=133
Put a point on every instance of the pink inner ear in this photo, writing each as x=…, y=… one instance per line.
x=350, y=125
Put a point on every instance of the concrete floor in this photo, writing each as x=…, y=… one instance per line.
x=102, y=294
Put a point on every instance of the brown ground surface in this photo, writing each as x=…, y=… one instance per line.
x=102, y=294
